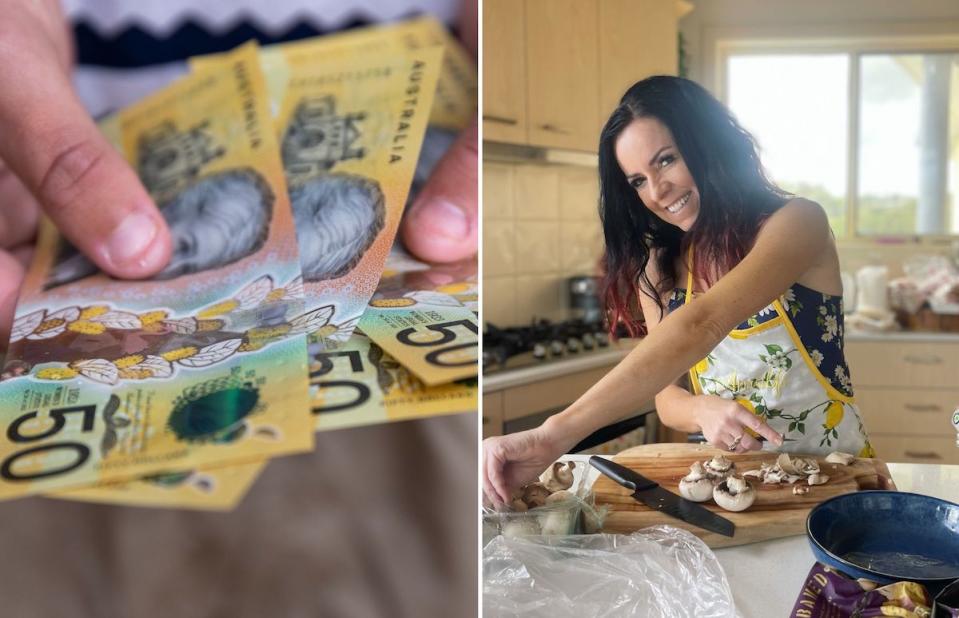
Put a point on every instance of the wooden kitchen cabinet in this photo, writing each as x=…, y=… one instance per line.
x=637, y=38
x=562, y=57
x=504, y=71
x=492, y=414
x=553, y=70
x=906, y=392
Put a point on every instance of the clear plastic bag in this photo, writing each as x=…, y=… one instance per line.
x=658, y=572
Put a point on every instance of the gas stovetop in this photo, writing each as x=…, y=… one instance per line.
x=541, y=342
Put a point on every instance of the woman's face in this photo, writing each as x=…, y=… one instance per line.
x=654, y=167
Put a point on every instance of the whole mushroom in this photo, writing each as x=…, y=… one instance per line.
x=734, y=494
x=696, y=485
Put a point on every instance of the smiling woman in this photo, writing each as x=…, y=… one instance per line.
x=728, y=277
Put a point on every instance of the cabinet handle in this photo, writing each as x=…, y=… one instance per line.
x=923, y=360
x=500, y=119
x=923, y=407
x=486, y=420
x=923, y=455
x=552, y=128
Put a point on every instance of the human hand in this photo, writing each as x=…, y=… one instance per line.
x=724, y=423
x=442, y=224
x=513, y=460
x=53, y=158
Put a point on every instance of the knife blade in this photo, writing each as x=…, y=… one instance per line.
x=655, y=497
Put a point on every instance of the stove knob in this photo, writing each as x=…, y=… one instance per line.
x=589, y=342
x=602, y=340
x=539, y=351
x=556, y=347
x=573, y=345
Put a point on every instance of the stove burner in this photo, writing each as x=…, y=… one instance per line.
x=541, y=341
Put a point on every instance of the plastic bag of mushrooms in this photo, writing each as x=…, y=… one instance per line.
x=556, y=504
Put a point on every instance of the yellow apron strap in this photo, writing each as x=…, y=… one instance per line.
x=693, y=374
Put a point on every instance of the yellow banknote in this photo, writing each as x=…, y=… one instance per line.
x=205, y=364
x=350, y=131
x=456, y=90
x=357, y=383
x=431, y=332
x=214, y=489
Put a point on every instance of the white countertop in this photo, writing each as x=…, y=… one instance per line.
x=766, y=577
x=903, y=336
x=556, y=368
x=509, y=378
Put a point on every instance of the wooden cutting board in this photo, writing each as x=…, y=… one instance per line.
x=776, y=512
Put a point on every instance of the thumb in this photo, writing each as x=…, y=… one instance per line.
x=442, y=224
x=79, y=180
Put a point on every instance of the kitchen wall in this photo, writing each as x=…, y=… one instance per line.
x=540, y=226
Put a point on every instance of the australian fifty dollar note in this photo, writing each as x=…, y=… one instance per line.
x=204, y=365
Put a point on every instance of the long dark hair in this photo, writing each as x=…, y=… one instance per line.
x=735, y=196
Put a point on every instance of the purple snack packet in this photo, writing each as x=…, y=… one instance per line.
x=827, y=593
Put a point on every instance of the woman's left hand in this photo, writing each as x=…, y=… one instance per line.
x=724, y=423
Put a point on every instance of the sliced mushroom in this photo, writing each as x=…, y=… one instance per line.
x=734, y=494
x=558, y=476
x=696, y=485
x=519, y=506
x=838, y=457
x=718, y=468
x=818, y=479
x=798, y=490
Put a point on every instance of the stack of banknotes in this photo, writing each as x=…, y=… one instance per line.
x=283, y=173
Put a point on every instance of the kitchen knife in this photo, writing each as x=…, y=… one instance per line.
x=655, y=497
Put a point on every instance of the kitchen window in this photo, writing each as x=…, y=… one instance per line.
x=869, y=129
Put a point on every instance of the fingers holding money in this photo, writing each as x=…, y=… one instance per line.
x=53, y=147
x=443, y=223
x=11, y=275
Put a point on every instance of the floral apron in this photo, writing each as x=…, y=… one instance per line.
x=767, y=369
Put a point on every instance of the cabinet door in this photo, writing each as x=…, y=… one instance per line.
x=638, y=38
x=504, y=71
x=563, y=66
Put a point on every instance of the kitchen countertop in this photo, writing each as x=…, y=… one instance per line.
x=903, y=336
x=500, y=380
x=766, y=577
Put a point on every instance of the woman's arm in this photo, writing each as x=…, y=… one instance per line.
x=790, y=243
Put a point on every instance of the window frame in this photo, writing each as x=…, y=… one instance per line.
x=741, y=42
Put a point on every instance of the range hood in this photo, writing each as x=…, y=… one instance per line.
x=516, y=153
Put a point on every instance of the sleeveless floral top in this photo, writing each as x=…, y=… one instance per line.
x=817, y=318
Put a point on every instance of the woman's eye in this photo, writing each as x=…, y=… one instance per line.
x=666, y=160
x=638, y=183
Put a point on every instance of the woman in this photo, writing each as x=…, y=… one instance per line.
x=734, y=278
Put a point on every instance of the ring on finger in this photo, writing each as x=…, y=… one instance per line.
x=735, y=444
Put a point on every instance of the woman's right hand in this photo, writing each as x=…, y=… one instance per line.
x=724, y=423
x=513, y=460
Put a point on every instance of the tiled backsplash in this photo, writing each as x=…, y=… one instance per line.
x=541, y=226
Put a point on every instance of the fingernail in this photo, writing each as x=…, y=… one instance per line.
x=131, y=239
x=444, y=218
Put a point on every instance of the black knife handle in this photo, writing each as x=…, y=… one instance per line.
x=622, y=475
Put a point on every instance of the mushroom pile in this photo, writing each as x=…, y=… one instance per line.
x=717, y=479
x=551, y=488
